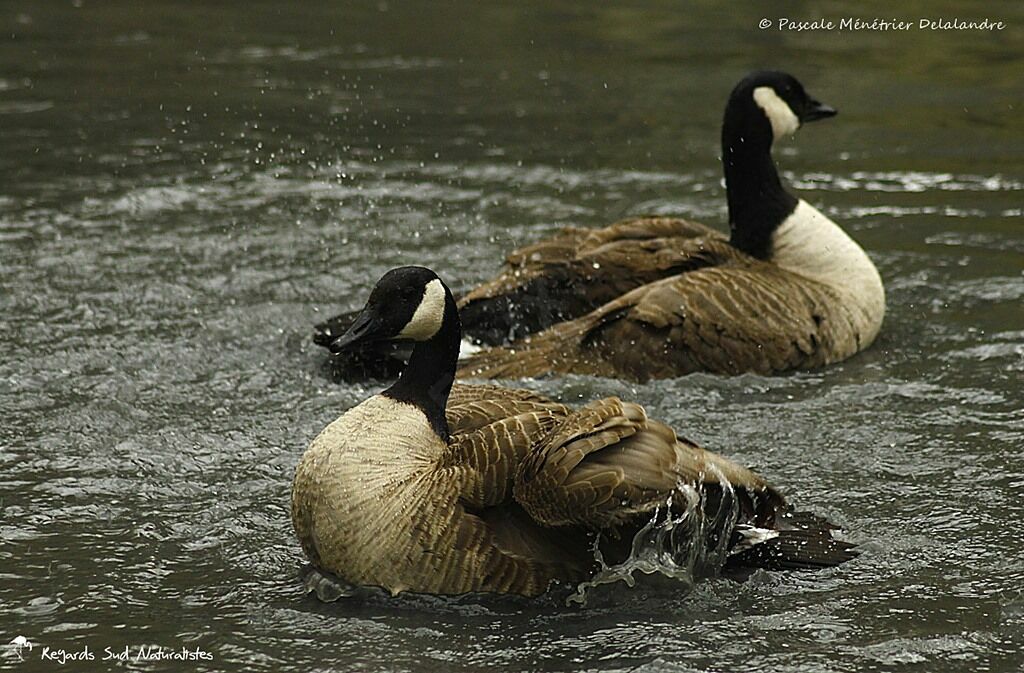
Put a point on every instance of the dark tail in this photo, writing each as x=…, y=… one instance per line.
x=798, y=541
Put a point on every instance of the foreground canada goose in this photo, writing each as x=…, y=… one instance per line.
x=655, y=297
x=436, y=489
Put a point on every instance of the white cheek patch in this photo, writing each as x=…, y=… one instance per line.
x=784, y=121
x=428, y=316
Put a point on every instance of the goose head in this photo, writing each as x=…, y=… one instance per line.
x=407, y=304
x=768, y=105
x=412, y=304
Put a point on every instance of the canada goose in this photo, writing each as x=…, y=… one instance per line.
x=432, y=488
x=655, y=297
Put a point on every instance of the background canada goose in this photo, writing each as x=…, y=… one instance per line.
x=654, y=297
x=431, y=488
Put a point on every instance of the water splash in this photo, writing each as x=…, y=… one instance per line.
x=683, y=543
x=328, y=588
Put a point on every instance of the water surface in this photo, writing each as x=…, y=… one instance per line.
x=185, y=188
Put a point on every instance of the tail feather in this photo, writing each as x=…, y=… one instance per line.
x=798, y=541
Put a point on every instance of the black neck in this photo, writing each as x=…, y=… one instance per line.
x=758, y=203
x=427, y=380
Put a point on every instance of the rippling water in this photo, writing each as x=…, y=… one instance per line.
x=185, y=189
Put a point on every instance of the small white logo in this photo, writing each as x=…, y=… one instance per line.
x=18, y=644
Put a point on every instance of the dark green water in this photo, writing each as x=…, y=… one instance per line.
x=185, y=188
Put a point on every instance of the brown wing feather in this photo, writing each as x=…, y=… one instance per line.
x=575, y=272
x=493, y=429
x=740, y=316
x=463, y=393
x=610, y=244
x=492, y=453
x=608, y=463
x=471, y=407
x=502, y=550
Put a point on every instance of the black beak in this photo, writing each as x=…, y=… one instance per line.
x=360, y=331
x=816, y=110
